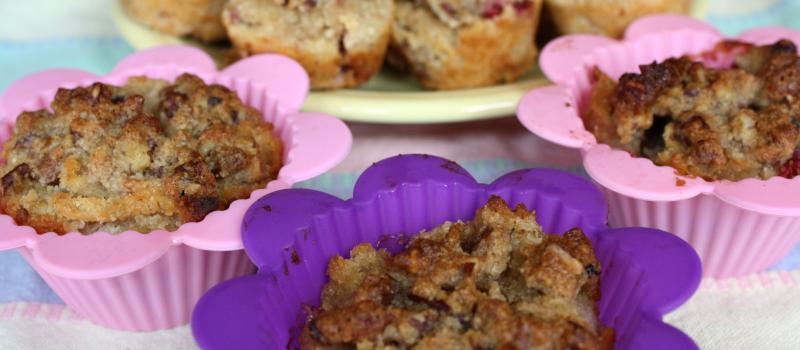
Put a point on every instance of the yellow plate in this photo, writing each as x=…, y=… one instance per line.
x=387, y=97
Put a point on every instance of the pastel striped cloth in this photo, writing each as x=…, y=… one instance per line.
x=754, y=312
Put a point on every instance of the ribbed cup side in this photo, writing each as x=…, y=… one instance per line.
x=622, y=289
x=730, y=241
x=161, y=295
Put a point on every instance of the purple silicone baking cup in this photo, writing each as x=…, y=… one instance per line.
x=292, y=234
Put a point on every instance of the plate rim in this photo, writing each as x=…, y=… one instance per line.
x=384, y=107
x=412, y=107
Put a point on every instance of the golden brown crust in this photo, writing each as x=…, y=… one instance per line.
x=325, y=72
x=497, y=282
x=606, y=17
x=730, y=124
x=149, y=155
x=196, y=18
x=340, y=44
x=474, y=51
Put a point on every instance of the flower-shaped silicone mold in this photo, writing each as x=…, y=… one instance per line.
x=736, y=227
x=150, y=281
x=292, y=234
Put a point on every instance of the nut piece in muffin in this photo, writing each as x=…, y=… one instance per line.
x=340, y=43
x=606, y=17
x=199, y=19
x=145, y=156
x=465, y=44
x=497, y=282
x=716, y=123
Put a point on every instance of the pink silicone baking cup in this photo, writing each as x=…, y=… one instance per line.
x=135, y=281
x=737, y=228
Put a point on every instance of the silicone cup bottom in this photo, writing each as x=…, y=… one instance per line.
x=158, y=296
x=292, y=234
x=730, y=241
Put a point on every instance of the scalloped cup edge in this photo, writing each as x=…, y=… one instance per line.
x=183, y=235
x=588, y=144
x=270, y=267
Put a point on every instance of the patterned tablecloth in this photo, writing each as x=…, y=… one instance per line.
x=756, y=312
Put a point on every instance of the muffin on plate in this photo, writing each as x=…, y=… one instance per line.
x=145, y=156
x=495, y=282
x=606, y=17
x=199, y=19
x=727, y=123
x=340, y=43
x=465, y=44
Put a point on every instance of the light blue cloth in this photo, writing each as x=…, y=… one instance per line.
x=95, y=55
x=18, y=282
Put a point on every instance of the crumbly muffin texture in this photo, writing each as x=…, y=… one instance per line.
x=465, y=12
x=145, y=156
x=340, y=43
x=199, y=19
x=730, y=123
x=497, y=282
x=465, y=44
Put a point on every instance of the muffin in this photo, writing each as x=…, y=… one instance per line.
x=717, y=123
x=145, y=156
x=199, y=19
x=466, y=44
x=496, y=282
x=340, y=43
x=606, y=17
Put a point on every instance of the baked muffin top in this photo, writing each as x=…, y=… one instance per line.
x=145, y=156
x=496, y=282
x=720, y=124
x=340, y=43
